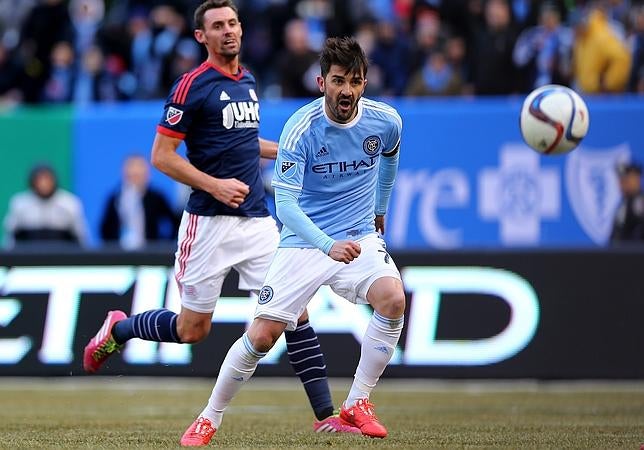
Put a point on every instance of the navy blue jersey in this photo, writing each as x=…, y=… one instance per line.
x=217, y=116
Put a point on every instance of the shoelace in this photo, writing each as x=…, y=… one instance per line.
x=366, y=407
x=203, y=427
x=110, y=346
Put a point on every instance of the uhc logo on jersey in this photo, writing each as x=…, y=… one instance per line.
x=173, y=116
x=371, y=145
x=241, y=115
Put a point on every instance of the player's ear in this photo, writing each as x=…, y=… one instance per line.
x=320, y=81
x=200, y=36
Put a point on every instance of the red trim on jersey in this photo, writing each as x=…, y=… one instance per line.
x=237, y=77
x=170, y=133
x=186, y=81
x=186, y=245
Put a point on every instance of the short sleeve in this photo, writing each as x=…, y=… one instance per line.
x=290, y=162
x=180, y=107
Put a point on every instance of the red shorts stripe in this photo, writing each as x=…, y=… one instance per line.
x=186, y=245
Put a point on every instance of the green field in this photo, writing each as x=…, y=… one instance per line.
x=118, y=413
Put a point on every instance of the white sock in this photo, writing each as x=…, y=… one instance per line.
x=238, y=366
x=378, y=346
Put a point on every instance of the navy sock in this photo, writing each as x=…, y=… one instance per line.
x=158, y=325
x=307, y=360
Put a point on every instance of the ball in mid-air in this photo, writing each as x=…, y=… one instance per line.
x=554, y=119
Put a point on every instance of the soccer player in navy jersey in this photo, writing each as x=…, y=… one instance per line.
x=335, y=170
x=214, y=109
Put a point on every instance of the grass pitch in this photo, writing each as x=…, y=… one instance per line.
x=119, y=413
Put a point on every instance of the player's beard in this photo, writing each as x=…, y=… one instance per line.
x=340, y=114
x=230, y=51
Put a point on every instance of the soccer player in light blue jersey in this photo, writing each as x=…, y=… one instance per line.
x=335, y=170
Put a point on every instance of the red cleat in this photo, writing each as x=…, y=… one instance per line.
x=198, y=434
x=101, y=346
x=334, y=424
x=362, y=416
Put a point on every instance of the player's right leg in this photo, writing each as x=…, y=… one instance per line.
x=260, y=237
x=159, y=325
x=202, y=261
x=238, y=367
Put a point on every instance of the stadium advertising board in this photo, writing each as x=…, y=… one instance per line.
x=466, y=177
x=567, y=315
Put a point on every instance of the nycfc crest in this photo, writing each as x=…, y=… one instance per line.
x=173, y=116
x=593, y=190
x=371, y=145
x=265, y=295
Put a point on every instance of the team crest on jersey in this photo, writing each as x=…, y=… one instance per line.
x=265, y=295
x=173, y=116
x=288, y=168
x=371, y=145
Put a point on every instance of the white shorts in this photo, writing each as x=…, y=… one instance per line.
x=296, y=274
x=209, y=246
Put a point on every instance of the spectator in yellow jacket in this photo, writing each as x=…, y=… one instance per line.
x=601, y=59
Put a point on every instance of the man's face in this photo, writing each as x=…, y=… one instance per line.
x=136, y=173
x=44, y=184
x=630, y=183
x=341, y=93
x=222, y=32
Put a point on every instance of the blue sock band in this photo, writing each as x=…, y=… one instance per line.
x=306, y=357
x=158, y=325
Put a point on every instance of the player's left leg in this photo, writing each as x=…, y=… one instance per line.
x=373, y=278
x=387, y=297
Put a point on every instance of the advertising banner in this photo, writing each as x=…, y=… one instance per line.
x=466, y=179
x=537, y=314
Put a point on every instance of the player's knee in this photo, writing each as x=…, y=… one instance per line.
x=193, y=333
x=264, y=333
x=263, y=342
x=394, y=304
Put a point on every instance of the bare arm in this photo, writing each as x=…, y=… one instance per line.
x=229, y=191
x=267, y=149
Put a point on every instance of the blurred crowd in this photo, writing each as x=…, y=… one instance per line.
x=85, y=51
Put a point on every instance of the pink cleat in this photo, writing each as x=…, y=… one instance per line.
x=198, y=434
x=362, y=416
x=334, y=424
x=101, y=346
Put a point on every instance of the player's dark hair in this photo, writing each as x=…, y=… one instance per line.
x=211, y=4
x=344, y=52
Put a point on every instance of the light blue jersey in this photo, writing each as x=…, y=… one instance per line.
x=333, y=173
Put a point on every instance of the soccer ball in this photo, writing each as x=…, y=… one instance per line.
x=554, y=119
